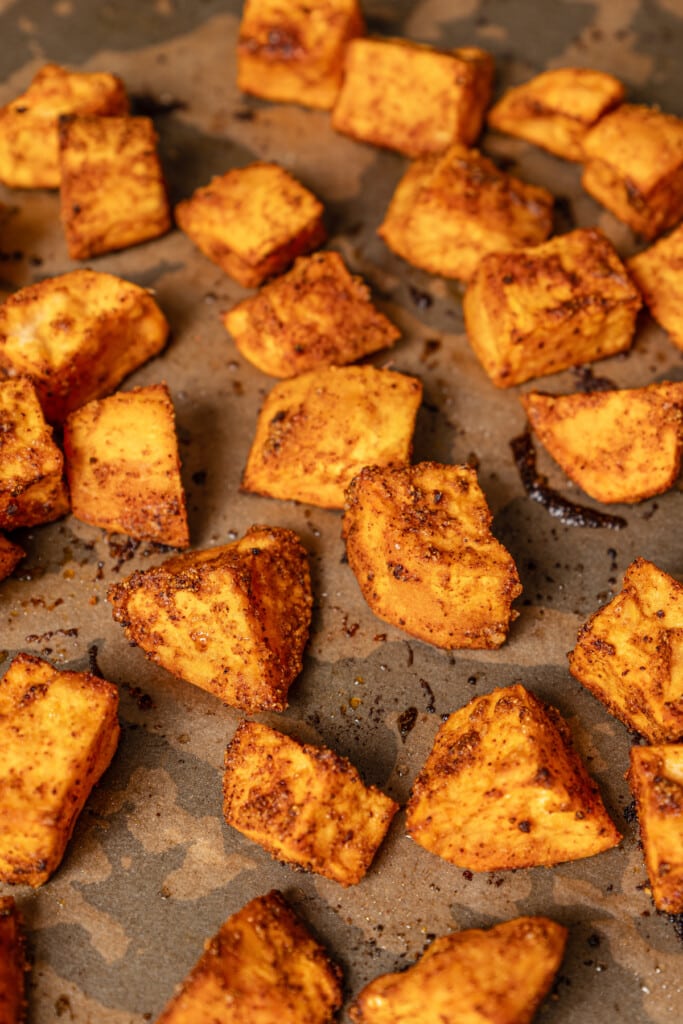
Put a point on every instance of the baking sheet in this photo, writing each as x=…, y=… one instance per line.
x=152, y=870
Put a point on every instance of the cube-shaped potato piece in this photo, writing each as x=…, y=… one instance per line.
x=253, y=221
x=504, y=788
x=316, y=315
x=448, y=582
x=305, y=805
x=634, y=167
x=629, y=654
x=123, y=466
x=656, y=778
x=77, y=336
x=557, y=108
x=292, y=51
x=499, y=975
x=10, y=556
x=13, y=964
x=449, y=211
x=411, y=97
x=58, y=733
x=317, y=431
x=263, y=966
x=29, y=125
x=541, y=310
x=32, y=488
x=112, y=193
x=658, y=272
x=232, y=620
x=619, y=446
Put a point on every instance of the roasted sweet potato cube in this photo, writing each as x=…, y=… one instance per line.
x=263, y=966
x=557, y=108
x=449, y=211
x=112, y=193
x=305, y=805
x=253, y=221
x=58, y=733
x=658, y=272
x=32, y=488
x=317, y=431
x=656, y=778
x=494, y=976
x=123, y=466
x=411, y=97
x=292, y=51
x=504, y=788
x=13, y=964
x=634, y=167
x=617, y=445
x=537, y=311
x=77, y=336
x=10, y=556
x=629, y=654
x=419, y=541
x=232, y=620
x=316, y=315
x=29, y=132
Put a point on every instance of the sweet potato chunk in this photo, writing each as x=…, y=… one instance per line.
x=77, y=336
x=10, y=556
x=58, y=733
x=656, y=778
x=658, y=272
x=419, y=542
x=32, y=488
x=411, y=97
x=557, y=108
x=630, y=653
x=232, y=620
x=316, y=315
x=449, y=211
x=537, y=311
x=305, y=805
x=292, y=51
x=617, y=445
x=494, y=976
x=262, y=967
x=29, y=132
x=634, y=167
x=253, y=221
x=113, y=193
x=13, y=964
x=123, y=466
x=504, y=788
x=317, y=431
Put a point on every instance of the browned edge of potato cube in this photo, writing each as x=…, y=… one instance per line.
x=656, y=778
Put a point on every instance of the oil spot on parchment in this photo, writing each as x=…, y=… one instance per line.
x=57, y=999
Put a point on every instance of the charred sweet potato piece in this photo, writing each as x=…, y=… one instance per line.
x=232, y=620
x=10, y=556
x=494, y=976
x=419, y=542
x=263, y=966
x=58, y=733
x=504, y=788
x=629, y=653
x=656, y=778
x=305, y=805
x=658, y=272
x=411, y=97
x=13, y=964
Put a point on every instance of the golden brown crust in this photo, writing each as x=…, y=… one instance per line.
x=656, y=778
x=13, y=964
x=658, y=272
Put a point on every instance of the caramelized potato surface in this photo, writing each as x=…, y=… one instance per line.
x=656, y=778
x=13, y=964
x=658, y=273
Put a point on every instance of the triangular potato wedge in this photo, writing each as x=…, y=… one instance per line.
x=656, y=778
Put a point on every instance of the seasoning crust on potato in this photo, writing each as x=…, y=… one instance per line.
x=656, y=778
x=628, y=653
x=232, y=620
x=495, y=976
x=411, y=97
x=316, y=315
x=449, y=211
x=58, y=733
x=263, y=966
x=13, y=964
x=317, y=431
x=419, y=542
x=504, y=788
x=541, y=310
x=10, y=556
x=305, y=805
x=658, y=272
x=618, y=446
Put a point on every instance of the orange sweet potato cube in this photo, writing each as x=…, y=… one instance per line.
x=13, y=964
x=656, y=778
x=658, y=272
